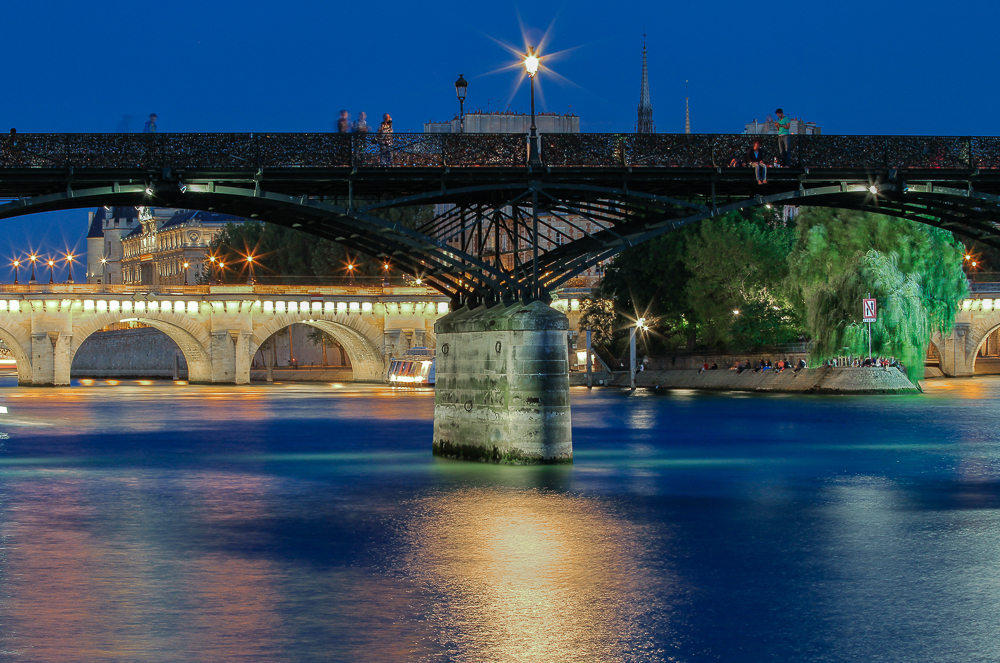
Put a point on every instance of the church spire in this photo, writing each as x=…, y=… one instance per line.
x=644, y=125
x=687, y=110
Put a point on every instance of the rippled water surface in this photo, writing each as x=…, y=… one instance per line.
x=310, y=523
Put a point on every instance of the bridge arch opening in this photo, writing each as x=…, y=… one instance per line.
x=19, y=354
x=986, y=358
x=358, y=339
x=187, y=341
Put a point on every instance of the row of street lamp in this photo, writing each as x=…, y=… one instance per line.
x=51, y=262
x=216, y=265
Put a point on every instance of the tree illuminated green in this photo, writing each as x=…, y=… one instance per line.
x=914, y=270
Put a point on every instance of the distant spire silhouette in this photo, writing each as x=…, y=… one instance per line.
x=687, y=110
x=644, y=125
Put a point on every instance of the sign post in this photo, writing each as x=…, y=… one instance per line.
x=869, y=309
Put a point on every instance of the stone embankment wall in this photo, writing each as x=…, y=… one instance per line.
x=823, y=380
x=127, y=353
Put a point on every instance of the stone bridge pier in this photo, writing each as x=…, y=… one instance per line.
x=502, y=385
x=218, y=332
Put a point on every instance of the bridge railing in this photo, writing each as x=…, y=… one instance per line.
x=324, y=150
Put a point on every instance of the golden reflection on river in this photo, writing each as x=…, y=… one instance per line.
x=535, y=576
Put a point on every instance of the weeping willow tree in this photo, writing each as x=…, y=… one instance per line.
x=914, y=270
x=906, y=316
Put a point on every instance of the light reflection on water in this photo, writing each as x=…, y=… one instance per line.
x=309, y=523
x=534, y=576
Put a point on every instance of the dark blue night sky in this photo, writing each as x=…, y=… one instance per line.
x=852, y=67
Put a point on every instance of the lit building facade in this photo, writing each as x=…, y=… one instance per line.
x=158, y=247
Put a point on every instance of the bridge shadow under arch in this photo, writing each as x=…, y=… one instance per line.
x=360, y=340
x=191, y=338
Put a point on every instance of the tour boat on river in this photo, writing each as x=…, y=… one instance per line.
x=414, y=369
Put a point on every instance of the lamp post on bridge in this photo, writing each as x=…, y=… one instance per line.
x=52, y=270
x=250, y=279
x=16, y=263
x=186, y=265
x=461, y=87
x=69, y=265
x=350, y=273
x=531, y=62
x=104, y=273
x=33, y=257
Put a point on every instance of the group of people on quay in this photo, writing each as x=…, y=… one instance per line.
x=766, y=365
x=885, y=363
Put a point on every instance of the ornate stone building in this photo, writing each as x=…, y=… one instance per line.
x=156, y=250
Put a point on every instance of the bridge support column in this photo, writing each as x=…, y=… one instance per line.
x=51, y=356
x=953, y=354
x=502, y=385
x=230, y=357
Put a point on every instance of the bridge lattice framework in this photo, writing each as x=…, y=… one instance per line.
x=591, y=196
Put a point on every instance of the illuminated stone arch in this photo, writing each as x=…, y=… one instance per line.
x=979, y=331
x=189, y=335
x=361, y=340
x=18, y=340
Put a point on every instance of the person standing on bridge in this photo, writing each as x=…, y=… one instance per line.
x=361, y=126
x=385, y=141
x=784, y=138
x=344, y=122
x=150, y=126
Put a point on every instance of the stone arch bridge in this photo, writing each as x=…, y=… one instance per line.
x=218, y=328
x=974, y=334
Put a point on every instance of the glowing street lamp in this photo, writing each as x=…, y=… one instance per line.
x=385, y=273
x=52, y=270
x=531, y=62
x=640, y=325
x=16, y=263
x=250, y=279
x=69, y=264
x=104, y=270
x=211, y=269
x=350, y=274
x=33, y=257
x=461, y=87
x=186, y=265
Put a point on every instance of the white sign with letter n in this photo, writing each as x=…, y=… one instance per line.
x=869, y=310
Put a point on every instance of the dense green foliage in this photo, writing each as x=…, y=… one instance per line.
x=914, y=270
x=719, y=283
x=743, y=281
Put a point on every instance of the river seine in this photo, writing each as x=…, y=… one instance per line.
x=163, y=522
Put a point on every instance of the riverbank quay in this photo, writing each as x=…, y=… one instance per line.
x=822, y=380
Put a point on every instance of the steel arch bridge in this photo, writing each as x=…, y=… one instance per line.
x=503, y=230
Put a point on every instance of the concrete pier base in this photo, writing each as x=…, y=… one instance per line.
x=502, y=385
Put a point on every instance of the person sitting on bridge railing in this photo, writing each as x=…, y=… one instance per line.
x=756, y=158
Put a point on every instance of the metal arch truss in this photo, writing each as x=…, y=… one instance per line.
x=521, y=240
